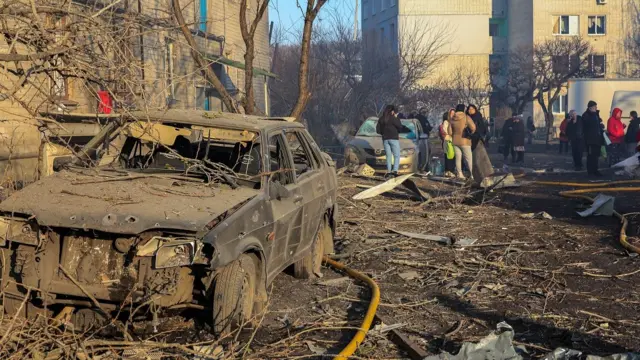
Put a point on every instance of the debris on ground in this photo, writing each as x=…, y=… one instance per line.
x=382, y=188
x=538, y=215
x=440, y=239
x=409, y=275
x=602, y=206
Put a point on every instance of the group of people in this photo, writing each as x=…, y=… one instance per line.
x=466, y=129
x=513, y=136
x=588, y=132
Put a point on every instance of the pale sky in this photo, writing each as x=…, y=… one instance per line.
x=285, y=13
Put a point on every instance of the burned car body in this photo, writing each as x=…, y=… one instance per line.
x=184, y=208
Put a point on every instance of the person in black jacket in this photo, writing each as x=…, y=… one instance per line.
x=390, y=127
x=592, y=130
x=507, y=131
x=632, y=133
x=424, y=121
x=482, y=166
x=576, y=138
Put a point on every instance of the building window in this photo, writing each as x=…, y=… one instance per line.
x=494, y=30
x=566, y=25
x=597, y=65
x=597, y=25
x=565, y=64
x=561, y=105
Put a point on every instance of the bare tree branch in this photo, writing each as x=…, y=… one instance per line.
x=248, y=31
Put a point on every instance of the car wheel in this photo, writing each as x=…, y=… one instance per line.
x=310, y=265
x=233, y=295
x=13, y=307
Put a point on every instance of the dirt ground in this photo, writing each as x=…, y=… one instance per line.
x=560, y=282
x=564, y=282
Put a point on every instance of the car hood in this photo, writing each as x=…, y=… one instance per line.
x=125, y=204
x=375, y=142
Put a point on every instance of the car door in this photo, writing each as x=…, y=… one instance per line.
x=312, y=187
x=286, y=211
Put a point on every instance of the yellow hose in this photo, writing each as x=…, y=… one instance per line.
x=596, y=187
x=371, y=312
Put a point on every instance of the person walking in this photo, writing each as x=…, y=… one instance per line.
x=592, y=130
x=517, y=139
x=445, y=135
x=564, y=139
x=576, y=137
x=389, y=126
x=462, y=129
x=633, y=132
x=531, y=127
x=507, y=137
x=482, y=166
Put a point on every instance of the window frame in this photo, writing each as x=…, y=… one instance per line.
x=290, y=175
x=563, y=105
x=590, y=63
x=604, y=31
x=313, y=161
x=559, y=18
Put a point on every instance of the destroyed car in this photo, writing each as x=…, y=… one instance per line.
x=179, y=209
x=366, y=148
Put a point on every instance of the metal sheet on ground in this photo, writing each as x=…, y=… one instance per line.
x=382, y=188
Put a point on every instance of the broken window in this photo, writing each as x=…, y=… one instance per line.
x=279, y=167
x=206, y=152
x=597, y=25
x=301, y=160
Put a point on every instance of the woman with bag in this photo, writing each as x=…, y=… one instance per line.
x=462, y=129
x=390, y=127
x=447, y=145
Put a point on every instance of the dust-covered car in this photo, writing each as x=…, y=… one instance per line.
x=366, y=148
x=181, y=209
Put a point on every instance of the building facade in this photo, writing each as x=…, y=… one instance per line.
x=167, y=75
x=483, y=33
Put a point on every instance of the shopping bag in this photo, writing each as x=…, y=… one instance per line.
x=450, y=152
x=603, y=152
x=607, y=141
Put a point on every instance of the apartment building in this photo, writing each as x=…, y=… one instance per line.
x=167, y=76
x=484, y=32
x=605, y=24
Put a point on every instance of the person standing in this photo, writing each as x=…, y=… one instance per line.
x=615, y=131
x=531, y=127
x=564, y=139
x=482, y=166
x=424, y=121
x=633, y=131
x=445, y=135
x=462, y=128
x=389, y=126
x=507, y=132
x=517, y=139
x=575, y=134
x=592, y=130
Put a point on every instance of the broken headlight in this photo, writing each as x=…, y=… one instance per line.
x=171, y=252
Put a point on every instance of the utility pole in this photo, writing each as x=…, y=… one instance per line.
x=355, y=22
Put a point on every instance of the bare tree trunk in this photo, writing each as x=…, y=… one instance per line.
x=202, y=63
x=313, y=7
x=248, y=35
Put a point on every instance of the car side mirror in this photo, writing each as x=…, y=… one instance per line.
x=277, y=191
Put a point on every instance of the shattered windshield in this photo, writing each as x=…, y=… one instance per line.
x=368, y=129
x=216, y=155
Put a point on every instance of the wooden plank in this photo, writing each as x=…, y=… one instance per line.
x=414, y=351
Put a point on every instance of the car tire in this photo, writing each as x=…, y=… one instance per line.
x=233, y=295
x=311, y=264
x=11, y=306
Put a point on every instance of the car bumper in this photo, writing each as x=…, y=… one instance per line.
x=379, y=164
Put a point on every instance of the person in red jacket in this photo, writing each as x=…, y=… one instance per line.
x=615, y=127
x=615, y=131
x=564, y=138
